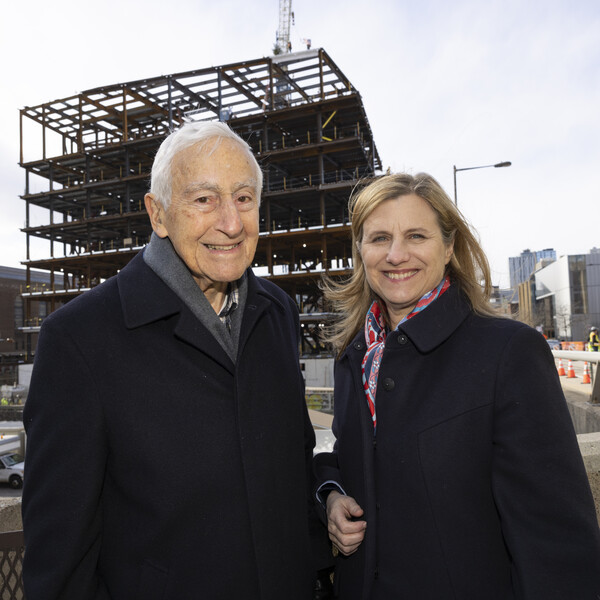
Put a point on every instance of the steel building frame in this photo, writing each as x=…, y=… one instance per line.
x=303, y=118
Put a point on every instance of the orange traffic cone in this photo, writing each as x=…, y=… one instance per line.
x=570, y=371
x=586, y=374
x=561, y=369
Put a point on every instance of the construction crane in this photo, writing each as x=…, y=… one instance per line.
x=286, y=17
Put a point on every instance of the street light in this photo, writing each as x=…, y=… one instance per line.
x=496, y=166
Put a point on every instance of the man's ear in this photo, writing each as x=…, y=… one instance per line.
x=156, y=212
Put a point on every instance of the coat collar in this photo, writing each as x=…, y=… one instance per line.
x=439, y=321
x=431, y=327
x=145, y=299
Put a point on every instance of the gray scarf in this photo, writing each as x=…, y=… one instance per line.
x=161, y=257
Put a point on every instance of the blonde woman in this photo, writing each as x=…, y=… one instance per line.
x=456, y=472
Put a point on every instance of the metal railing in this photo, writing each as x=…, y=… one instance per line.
x=12, y=439
x=12, y=550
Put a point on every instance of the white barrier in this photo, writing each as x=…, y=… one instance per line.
x=593, y=358
x=12, y=437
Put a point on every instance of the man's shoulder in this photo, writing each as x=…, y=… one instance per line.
x=269, y=288
x=102, y=302
x=89, y=304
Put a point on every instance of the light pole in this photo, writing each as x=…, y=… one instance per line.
x=497, y=165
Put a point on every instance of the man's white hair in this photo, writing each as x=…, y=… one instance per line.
x=188, y=135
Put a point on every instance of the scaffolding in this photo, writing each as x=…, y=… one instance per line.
x=91, y=154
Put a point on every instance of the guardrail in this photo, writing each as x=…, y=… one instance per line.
x=593, y=358
x=12, y=443
x=12, y=439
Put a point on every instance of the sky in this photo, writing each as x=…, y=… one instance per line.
x=463, y=83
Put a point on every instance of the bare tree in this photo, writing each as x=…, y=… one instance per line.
x=564, y=321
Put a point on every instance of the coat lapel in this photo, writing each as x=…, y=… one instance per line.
x=258, y=301
x=438, y=321
x=190, y=330
x=145, y=299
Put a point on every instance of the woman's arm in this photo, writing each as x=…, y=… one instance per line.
x=539, y=481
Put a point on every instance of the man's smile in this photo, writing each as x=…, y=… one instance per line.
x=216, y=247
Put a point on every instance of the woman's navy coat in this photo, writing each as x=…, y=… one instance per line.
x=156, y=468
x=473, y=487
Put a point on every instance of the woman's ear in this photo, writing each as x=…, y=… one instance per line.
x=449, y=251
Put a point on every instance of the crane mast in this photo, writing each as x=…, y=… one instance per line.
x=286, y=15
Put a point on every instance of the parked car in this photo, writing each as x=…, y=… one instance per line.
x=11, y=469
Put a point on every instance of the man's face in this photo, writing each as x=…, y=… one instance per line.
x=212, y=220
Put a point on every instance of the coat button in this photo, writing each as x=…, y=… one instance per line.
x=388, y=384
x=359, y=345
x=402, y=339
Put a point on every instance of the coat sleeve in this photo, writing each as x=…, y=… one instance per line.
x=64, y=472
x=539, y=480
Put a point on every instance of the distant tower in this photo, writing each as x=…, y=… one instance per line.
x=521, y=267
x=286, y=15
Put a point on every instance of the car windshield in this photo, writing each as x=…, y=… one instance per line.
x=12, y=459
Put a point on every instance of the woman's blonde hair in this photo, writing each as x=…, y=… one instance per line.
x=468, y=267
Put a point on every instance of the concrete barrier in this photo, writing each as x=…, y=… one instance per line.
x=10, y=515
x=589, y=444
x=586, y=420
x=585, y=415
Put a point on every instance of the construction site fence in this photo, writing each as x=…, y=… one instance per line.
x=12, y=550
x=320, y=399
x=583, y=346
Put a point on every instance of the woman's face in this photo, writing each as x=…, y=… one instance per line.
x=403, y=252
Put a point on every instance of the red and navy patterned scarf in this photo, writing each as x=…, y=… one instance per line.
x=375, y=336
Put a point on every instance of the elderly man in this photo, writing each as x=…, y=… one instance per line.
x=168, y=438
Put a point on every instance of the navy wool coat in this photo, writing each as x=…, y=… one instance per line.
x=473, y=487
x=156, y=468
